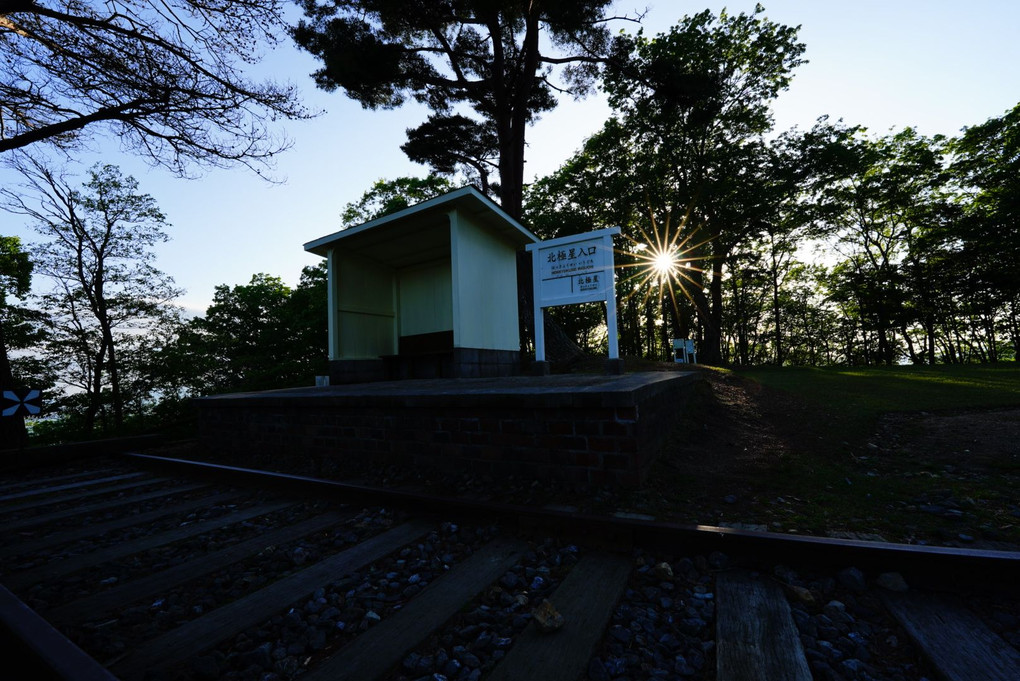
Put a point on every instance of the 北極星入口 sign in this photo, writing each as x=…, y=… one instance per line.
x=575, y=269
x=576, y=273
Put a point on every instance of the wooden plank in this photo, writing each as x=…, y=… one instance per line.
x=955, y=640
x=79, y=496
x=63, y=659
x=71, y=485
x=224, y=623
x=27, y=523
x=45, y=481
x=70, y=564
x=756, y=638
x=99, y=529
x=156, y=583
x=380, y=648
x=586, y=599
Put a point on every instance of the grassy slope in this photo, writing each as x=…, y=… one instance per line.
x=831, y=477
x=859, y=395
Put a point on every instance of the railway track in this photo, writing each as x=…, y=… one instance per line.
x=138, y=567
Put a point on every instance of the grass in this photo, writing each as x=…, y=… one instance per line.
x=860, y=395
x=827, y=470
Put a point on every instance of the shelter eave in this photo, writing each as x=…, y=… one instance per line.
x=467, y=199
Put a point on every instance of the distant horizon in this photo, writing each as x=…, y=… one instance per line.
x=934, y=66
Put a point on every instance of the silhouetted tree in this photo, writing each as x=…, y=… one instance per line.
x=106, y=288
x=165, y=76
x=495, y=57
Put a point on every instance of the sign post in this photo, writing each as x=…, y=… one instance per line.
x=571, y=270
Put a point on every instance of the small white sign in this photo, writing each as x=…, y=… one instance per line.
x=575, y=272
x=574, y=269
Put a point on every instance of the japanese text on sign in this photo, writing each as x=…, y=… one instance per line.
x=575, y=269
x=574, y=273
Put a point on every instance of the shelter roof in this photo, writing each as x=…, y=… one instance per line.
x=421, y=223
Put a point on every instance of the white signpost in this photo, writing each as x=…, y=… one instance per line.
x=574, y=269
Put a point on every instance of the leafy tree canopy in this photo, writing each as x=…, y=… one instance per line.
x=686, y=148
x=488, y=56
x=987, y=167
x=100, y=257
x=254, y=336
x=166, y=76
x=15, y=280
x=15, y=269
x=391, y=196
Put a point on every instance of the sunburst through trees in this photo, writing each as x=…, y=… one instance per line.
x=665, y=262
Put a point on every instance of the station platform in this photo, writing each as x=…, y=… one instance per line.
x=580, y=428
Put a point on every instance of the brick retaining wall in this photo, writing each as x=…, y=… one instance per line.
x=580, y=429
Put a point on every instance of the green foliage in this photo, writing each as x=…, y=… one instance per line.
x=390, y=196
x=15, y=269
x=108, y=297
x=707, y=76
x=15, y=281
x=476, y=151
x=987, y=167
x=920, y=233
x=918, y=277
x=490, y=56
x=254, y=336
x=684, y=164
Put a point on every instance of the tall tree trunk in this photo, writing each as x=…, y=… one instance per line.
x=711, y=345
x=914, y=358
x=95, y=392
x=929, y=331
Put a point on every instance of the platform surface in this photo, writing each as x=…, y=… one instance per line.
x=621, y=390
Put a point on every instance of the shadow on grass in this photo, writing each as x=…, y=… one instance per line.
x=799, y=450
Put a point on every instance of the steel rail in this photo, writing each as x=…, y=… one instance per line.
x=44, y=652
x=931, y=567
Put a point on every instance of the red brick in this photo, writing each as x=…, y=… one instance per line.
x=602, y=444
x=617, y=428
x=587, y=427
x=588, y=459
x=490, y=453
x=516, y=440
x=616, y=462
x=626, y=444
x=627, y=478
x=559, y=427
x=508, y=426
x=571, y=442
x=626, y=414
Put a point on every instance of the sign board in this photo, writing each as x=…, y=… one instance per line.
x=574, y=269
x=575, y=272
x=21, y=402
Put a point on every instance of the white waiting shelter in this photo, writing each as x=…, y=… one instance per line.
x=429, y=291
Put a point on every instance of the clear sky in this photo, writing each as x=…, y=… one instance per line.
x=937, y=65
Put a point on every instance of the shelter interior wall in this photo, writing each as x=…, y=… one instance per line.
x=365, y=309
x=426, y=298
x=484, y=288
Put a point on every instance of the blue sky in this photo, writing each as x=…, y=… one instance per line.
x=933, y=64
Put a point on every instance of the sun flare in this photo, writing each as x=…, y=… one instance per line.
x=664, y=264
